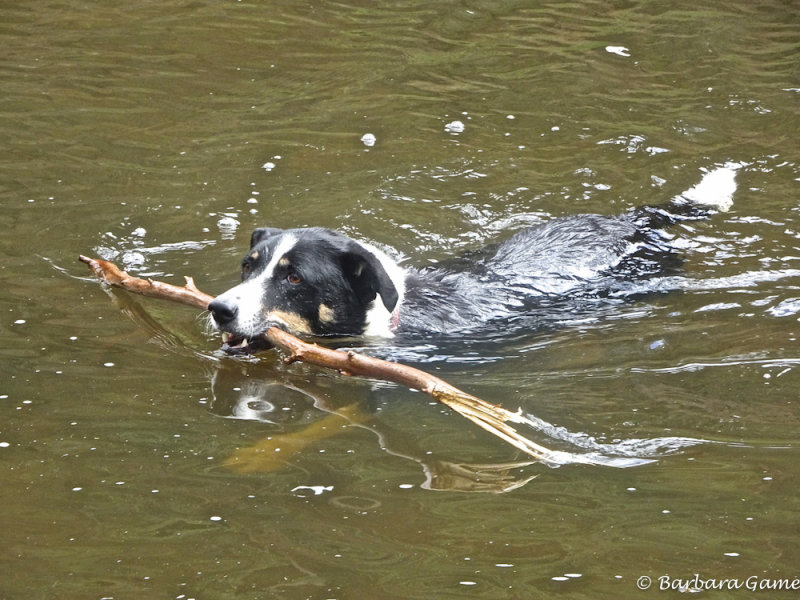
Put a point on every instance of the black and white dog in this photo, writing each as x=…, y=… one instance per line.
x=318, y=282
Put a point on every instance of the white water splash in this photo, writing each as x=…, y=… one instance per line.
x=622, y=454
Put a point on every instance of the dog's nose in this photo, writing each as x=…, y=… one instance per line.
x=223, y=312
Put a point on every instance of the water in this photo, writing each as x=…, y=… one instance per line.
x=137, y=461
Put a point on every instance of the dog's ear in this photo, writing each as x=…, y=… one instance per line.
x=263, y=233
x=367, y=276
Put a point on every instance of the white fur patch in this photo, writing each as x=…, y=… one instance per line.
x=248, y=296
x=716, y=188
x=379, y=320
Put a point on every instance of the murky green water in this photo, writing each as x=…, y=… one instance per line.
x=160, y=134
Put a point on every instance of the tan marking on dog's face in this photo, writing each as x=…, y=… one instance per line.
x=284, y=262
x=294, y=322
x=326, y=314
x=254, y=255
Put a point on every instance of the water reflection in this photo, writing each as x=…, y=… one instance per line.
x=303, y=413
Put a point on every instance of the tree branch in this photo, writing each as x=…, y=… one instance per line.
x=188, y=294
x=492, y=418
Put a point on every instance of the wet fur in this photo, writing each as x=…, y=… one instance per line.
x=318, y=282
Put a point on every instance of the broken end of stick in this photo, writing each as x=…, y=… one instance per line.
x=190, y=284
x=95, y=265
x=109, y=273
x=92, y=263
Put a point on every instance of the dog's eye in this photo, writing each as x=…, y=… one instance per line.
x=246, y=269
x=294, y=278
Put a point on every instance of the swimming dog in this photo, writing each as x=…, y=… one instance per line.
x=319, y=282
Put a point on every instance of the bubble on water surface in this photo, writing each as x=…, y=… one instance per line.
x=618, y=50
x=455, y=127
x=368, y=140
x=228, y=225
x=658, y=344
x=316, y=490
x=133, y=260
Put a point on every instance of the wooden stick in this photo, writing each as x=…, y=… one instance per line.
x=492, y=418
x=187, y=294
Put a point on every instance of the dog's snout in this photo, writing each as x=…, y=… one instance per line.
x=223, y=312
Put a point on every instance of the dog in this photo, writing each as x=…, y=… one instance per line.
x=316, y=282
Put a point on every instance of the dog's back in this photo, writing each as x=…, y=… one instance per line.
x=320, y=282
x=567, y=259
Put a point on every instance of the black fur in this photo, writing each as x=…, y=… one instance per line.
x=323, y=284
x=326, y=284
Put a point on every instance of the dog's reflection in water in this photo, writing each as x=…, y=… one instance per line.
x=301, y=413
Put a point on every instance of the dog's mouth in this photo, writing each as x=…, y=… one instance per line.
x=239, y=344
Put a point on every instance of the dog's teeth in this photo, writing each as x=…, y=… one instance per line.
x=226, y=337
x=243, y=343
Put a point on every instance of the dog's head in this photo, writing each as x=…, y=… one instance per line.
x=310, y=282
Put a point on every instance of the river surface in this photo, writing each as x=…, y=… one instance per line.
x=138, y=461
